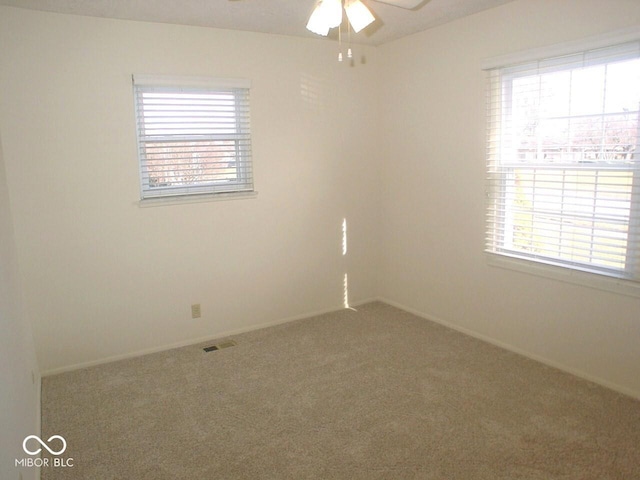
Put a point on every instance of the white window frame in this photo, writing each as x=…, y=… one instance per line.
x=237, y=135
x=629, y=281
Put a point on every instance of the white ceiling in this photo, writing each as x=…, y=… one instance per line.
x=285, y=17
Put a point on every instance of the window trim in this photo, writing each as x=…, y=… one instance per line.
x=201, y=192
x=539, y=267
x=564, y=274
x=168, y=200
x=631, y=34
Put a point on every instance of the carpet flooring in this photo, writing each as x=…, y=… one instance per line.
x=375, y=393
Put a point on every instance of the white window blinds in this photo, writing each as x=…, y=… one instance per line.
x=193, y=136
x=563, y=161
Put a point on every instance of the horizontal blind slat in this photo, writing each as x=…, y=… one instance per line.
x=563, y=160
x=193, y=138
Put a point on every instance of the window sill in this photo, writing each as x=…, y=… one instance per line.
x=195, y=198
x=567, y=275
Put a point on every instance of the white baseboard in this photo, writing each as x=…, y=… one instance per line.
x=195, y=341
x=550, y=363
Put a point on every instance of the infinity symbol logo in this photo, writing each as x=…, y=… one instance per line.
x=37, y=439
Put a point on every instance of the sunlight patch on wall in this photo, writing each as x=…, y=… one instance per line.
x=310, y=88
x=344, y=236
x=346, y=291
x=345, y=280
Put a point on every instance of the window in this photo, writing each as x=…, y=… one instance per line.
x=193, y=136
x=563, y=161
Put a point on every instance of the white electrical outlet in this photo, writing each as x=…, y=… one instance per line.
x=195, y=311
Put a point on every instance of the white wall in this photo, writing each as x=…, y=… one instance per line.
x=19, y=376
x=105, y=278
x=433, y=201
x=396, y=146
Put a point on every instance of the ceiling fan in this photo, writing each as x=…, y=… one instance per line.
x=327, y=14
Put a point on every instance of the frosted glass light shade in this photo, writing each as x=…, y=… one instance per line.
x=359, y=16
x=326, y=15
x=332, y=12
x=317, y=22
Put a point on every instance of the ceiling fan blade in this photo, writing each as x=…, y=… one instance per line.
x=408, y=4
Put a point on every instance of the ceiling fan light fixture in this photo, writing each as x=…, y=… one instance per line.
x=326, y=15
x=317, y=22
x=332, y=12
x=358, y=14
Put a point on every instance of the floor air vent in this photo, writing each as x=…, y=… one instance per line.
x=220, y=346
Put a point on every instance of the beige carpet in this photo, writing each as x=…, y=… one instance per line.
x=370, y=394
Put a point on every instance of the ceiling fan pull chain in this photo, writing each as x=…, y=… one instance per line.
x=340, y=42
x=349, y=52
